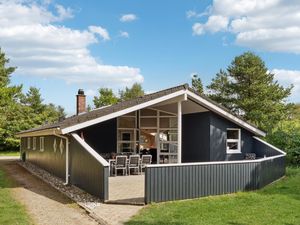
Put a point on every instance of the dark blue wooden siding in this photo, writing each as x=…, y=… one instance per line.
x=86, y=172
x=218, y=132
x=51, y=161
x=101, y=137
x=196, y=137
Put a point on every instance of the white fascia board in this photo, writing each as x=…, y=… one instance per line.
x=122, y=112
x=225, y=114
x=215, y=162
x=46, y=132
x=90, y=150
x=271, y=146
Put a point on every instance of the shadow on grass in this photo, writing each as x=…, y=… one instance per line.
x=18, y=177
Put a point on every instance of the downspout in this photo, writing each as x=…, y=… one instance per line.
x=67, y=156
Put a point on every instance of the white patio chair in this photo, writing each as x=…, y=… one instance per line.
x=146, y=160
x=134, y=163
x=121, y=164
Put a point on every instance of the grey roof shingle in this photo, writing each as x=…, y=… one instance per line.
x=96, y=113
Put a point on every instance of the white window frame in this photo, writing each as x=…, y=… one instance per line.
x=28, y=143
x=42, y=144
x=34, y=143
x=238, y=141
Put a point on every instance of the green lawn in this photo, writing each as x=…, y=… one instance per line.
x=11, y=212
x=278, y=203
x=9, y=153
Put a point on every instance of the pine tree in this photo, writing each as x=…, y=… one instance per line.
x=249, y=90
x=197, y=84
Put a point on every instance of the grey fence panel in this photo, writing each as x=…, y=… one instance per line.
x=187, y=181
x=86, y=172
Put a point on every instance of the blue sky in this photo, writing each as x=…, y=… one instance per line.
x=61, y=46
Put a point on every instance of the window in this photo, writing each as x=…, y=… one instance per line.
x=28, y=143
x=54, y=145
x=233, y=143
x=42, y=144
x=61, y=146
x=33, y=143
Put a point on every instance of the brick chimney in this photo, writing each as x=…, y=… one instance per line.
x=80, y=102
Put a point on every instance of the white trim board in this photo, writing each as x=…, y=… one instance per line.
x=90, y=150
x=122, y=112
x=225, y=114
x=216, y=162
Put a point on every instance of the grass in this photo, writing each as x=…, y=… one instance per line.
x=9, y=153
x=278, y=203
x=11, y=212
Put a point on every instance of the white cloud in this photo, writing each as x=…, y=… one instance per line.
x=198, y=29
x=128, y=17
x=271, y=25
x=288, y=77
x=124, y=34
x=192, y=14
x=38, y=47
x=101, y=31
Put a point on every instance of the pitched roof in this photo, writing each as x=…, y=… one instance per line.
x=104, y=111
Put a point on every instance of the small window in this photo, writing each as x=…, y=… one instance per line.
x=233, y=143
x=28, y=143
x=54, y=145
x=61, y=146
x=42, y=144
x=33, y=143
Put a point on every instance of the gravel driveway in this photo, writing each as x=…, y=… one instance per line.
x=44, y=204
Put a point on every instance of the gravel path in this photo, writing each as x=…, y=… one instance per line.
x=44, y=204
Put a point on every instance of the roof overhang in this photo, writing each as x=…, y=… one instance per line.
x=180, y=95
x=174, y=95
x=52, y=131
x=213, y=107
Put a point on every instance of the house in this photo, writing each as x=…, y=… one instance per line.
x=199, y=148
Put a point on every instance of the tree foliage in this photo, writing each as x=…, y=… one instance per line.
x=249, y=90
x=286, y=136
x=106, y=97
x=197, y=84
x=135, y=91
x=20, y=111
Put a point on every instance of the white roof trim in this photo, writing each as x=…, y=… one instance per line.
x=51, y=131
x=89, y=149
x=271, y=146
x=225, y=114
x=122, y=112
x=215, y=162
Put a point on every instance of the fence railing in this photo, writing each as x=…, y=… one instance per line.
x=193, y=180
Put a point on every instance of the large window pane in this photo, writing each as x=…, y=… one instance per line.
x=168, y=135
x=148, y=112
x=148, y=122
x=168, y=122
x=126, y=122
x=232, y=134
